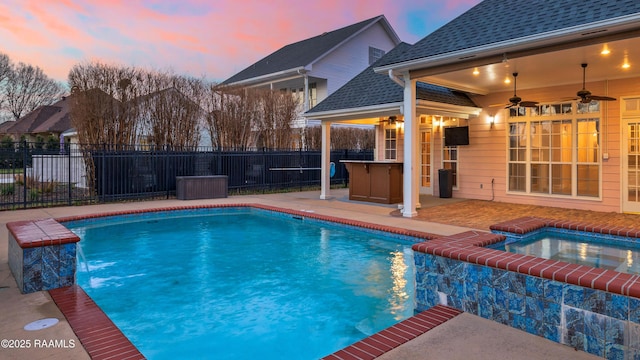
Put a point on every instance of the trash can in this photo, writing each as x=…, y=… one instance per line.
x=445, y=181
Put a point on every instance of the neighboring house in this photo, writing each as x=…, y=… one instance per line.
x=45, y=121
x=312, y=69
x=563, y=147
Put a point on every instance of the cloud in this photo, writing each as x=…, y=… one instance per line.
x=196, y=37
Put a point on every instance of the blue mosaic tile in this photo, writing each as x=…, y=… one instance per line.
x=455, y=302
x=634, y=310
x=551, y=332
x=441, y=265
x=419, y=259
x=594, y=301
x=534, y=308
x=552, y=290
x=533, y=326
x=634, y=336
x=470, y=291
x=614, y=352
x=501, y=280
x=501, y=316
x=517, y=283
x=456, y=270
x=485, y=276
x=574, y=295
x=471, y=273
x=517, y=304
x=486, y=300
x=594, y=346
x=518, y=322
x=485, y=310
x=533, y=286
x=429, y=263
x=32, y=256
x=501, y=303
x=594, y=325
x=576, y=340
x=614, y=331
x=617, y=306
x=470, y=307
x=552, y=313
x=574, y=319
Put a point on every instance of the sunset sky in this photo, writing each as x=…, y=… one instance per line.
x=211, y=38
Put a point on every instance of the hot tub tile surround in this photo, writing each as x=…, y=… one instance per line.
x=593, y=310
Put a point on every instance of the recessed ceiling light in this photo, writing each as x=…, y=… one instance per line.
x=507, y=80
x=605, y=50
x=476, y=72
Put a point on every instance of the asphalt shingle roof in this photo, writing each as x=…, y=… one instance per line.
x=301, y=53
x=493, y=21
x=370, y=88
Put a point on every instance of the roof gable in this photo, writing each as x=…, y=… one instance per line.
x=307, y=51
x=370, y=88
x=494, y=21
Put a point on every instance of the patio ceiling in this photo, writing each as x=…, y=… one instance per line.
x=550, y=68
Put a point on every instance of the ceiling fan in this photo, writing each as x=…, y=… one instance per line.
x=391, y=120
x=517, y=100
x=585, y=95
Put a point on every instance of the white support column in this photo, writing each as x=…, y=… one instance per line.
x=307, y=98
x=411, y=168
x=325, y=159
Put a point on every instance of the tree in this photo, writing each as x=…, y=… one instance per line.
x=277, y=111
x=27, y=87
x=172, y=111
x=104, y=104
x=231, y=114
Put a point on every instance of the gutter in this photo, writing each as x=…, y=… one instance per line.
x=594, y=30
x=265, y=79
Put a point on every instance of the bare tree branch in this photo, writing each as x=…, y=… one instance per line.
x=27, y=88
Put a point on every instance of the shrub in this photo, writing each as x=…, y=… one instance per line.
x=7, y=189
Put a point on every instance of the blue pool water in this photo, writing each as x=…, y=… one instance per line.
x=243, y=283
x=578, y=248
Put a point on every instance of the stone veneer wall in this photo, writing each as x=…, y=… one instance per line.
x=593, y=310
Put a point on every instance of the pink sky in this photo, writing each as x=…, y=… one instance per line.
x=207, y=38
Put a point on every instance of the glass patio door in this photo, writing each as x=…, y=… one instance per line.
x=425, y=161
x=631, y=165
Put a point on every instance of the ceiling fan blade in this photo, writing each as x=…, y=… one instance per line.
x=602, y=98
x=528, y=103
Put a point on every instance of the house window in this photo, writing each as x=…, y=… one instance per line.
x=375, y=54
x=450, y=161
x=554, y=150
x=390, y=141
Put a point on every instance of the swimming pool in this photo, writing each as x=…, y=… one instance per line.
x=578, y=247
x=245, y=283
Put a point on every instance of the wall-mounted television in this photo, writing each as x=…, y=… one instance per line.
x=454, y=136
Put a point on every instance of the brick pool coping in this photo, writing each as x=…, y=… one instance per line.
x=469, y=247
x=104, y=340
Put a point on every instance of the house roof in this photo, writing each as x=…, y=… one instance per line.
x=44, y=119
x=370, y=88
x=306, y=52
x=498, y=21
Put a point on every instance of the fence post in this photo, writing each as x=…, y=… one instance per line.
x=69, y=179
x=25, y=155
x=166, y=169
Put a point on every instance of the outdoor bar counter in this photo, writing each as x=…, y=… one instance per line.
x=375, y=181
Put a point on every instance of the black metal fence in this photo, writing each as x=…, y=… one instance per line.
x=37, y=177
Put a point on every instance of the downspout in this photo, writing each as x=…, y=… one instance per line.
x=395, y=78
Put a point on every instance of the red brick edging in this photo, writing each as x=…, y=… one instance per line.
x=396, y=335
x=98, y=334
